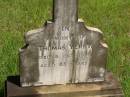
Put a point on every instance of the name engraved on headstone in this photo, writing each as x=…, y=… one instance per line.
x=63, y=51
x=57, y=53
x=55, y=49
x=55, y=58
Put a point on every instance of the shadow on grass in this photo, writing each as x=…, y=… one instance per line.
x=2, y=92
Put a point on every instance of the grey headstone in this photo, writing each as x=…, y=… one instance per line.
x=63, y=51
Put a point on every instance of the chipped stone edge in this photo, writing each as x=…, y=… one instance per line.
x=80, y=20
x=35, y=31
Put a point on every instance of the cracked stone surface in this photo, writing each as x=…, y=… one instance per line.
x=63, y=51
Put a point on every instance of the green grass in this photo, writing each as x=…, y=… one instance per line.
x=111, y=16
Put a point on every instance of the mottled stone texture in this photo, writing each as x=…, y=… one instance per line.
x=109, y=88
x=63, y=51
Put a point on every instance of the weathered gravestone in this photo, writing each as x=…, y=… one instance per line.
x=64, y=51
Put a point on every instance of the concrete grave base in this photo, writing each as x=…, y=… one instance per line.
x=109, y=88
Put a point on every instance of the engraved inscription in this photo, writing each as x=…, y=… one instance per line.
x=83, y=57
x=56, y=57
x=60, y=47
x=63, y=51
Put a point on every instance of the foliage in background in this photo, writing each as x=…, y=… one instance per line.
x=111, y=16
